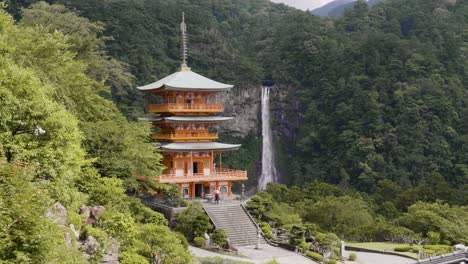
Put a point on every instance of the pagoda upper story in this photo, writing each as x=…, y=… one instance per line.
x=185, y=93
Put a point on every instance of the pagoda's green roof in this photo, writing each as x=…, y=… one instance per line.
x=187, y=146
x=186, y=80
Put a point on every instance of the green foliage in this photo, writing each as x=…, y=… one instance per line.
x=118, y=225
x=266, y=230
x=297, y=233
x=407, y=249
x=219, y=260
x=283, y=214
x=338, y=214
x=75, y=219
x=193, y=221
x=144, y=214
x=352, y=257
x=448, y=221
x=433, y=237
x=315, y=256
x=328, y=240
x=330, y=261
x=304, y=246
x=437, y=249
x=219, y=237
x=25, y=234
x=158, y=242
x=103, y=239
x=129, y=257
x=53, y=100
x=199, y=241
x=108, y=192
x=259, y=204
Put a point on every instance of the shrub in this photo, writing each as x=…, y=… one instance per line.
x=304, y=245
x=75, y=219
x=433, y=237
x=336, y=251
x=407, y=249
x=219, y=237
x=314, y=255
x=266, y=229
x=129, y=257
x=331, y=261
x=352, y=257
x=437, y=249
x=182, y=239
x=193, y=221
x=199, y=242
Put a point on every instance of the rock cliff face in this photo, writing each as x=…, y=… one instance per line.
x=244, y=103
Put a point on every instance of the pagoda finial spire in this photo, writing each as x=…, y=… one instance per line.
x=183, y=32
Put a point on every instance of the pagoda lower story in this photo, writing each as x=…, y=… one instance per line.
x=195, y=171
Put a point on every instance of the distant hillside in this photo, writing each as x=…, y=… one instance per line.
x=325, y=10
x=337, y=8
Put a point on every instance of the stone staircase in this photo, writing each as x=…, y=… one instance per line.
x=240, y=229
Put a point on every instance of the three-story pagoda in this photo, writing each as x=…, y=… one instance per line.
x=185, y=103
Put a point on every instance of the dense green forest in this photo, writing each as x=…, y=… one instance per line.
x=64, y=144
x=382, y=92
x=383, y=114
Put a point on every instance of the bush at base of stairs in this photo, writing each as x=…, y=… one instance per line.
x=199, y=241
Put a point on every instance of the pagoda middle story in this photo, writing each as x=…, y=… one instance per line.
x=184, y=104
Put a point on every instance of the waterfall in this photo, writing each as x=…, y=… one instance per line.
x=268, y=162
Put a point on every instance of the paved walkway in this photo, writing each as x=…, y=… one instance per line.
x=374, y=258
x=267, y=253
x=260, y=256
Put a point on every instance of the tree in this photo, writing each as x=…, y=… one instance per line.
x=159, y=246
x=193, y=221
x=25, y=234
x=219, y=237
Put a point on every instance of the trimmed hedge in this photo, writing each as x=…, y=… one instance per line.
x=314, y=255
x=407, y=249
x=352, y=256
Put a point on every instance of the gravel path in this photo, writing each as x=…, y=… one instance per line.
x=264, y=254
x=374, y=258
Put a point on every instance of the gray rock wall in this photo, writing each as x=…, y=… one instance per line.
x=242, y=103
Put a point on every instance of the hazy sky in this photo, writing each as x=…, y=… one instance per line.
x=303, y=4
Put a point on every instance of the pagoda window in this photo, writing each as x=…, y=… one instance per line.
x=206, y=167
x=190, y=169
x=179, y=168
x=185, y=193
x=223, y=189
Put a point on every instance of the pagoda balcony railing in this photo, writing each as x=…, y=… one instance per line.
x=217, y=175
x=185, y=108
x=186, y=136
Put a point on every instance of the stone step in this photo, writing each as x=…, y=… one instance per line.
x=239, y=228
